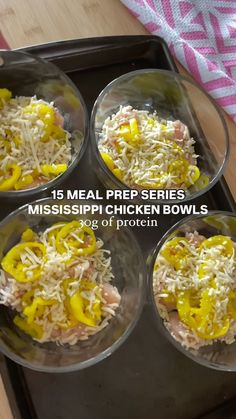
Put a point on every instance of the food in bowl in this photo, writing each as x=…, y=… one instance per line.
x=145, y=151
x=58, y=282
x=194, y=284
x=34, y=146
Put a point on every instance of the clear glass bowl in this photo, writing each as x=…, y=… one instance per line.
x=172, y=97
x=129, y=275
x=219, y=355
x=27, y=75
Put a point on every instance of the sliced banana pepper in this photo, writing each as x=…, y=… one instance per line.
x=78, y=309
x=13, y=265
x=27, y=235
x=108, y=161
x=36, y=308
x=5, y=96
x=176, y=251
x=54, y=169
x=9, y=183
x=179, y=170
x=80, y=246
x=24, y=182
x=224, y=243
x=33, y=330
x=130, y=132
x=200, y=319
x=80, y=305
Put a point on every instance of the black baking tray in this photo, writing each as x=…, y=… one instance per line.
x=146, y=377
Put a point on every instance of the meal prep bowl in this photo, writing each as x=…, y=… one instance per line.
x=219, y=356
x=27, y=75
x=129, y=275
x=173, y=97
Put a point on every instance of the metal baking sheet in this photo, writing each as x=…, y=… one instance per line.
x=146, y=377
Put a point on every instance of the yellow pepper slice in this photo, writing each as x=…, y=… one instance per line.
x=71, y=320
x=193, y=175
x=27, y=235
x=46, y=113
x=81, y=246
x=176, y=148
x=91, y=247
x=151, y=121
x=175, y=251
x=16, y=140
x=224, y=243
x=108, y=161
x=134, y=130
x=204, y=271
x=54, y=169
x=231, y=305
x=179, y=170
x=124, y=132
x=202, y=182
x=51, y=235
x=201, y=319
x=6, y=143
x=78, y=306
x=79, y=310
x=170, y=298
x=130, y=132
x=36, y=308
x=86, y=285
x=5, y=96
x=156, y=266
x=9, y=183
x=27, y=297
x=207, y=328
x=117, y=173
x=13, y=265
x=184, y=309
x=33, y=330
x=217, y=330
x=118, y=146
x=59, y=133
x=64, y=235
x=23, y=182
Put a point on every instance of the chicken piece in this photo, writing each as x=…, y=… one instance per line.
x=176, y=327
x=59, y=120
x=181, y=131
x=110, y=294
x=195, y=238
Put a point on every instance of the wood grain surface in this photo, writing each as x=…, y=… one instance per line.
x=5, y=410
x=28, y=22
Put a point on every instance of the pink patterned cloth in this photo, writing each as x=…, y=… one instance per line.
x=202, y=36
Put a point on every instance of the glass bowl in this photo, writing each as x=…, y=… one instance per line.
x=129, y=274
x=27, y=75
x=220, y=356
x=173, y=97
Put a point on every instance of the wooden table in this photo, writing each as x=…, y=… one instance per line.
x=27, y=22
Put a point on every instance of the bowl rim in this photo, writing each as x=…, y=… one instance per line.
x=126, y=76
x=29, y=193
x=107, y=352
x=157, y=318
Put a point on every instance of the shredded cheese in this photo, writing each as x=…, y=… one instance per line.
x=153, y=154
x=61, y=276
x=203, y=268
x=30, y=137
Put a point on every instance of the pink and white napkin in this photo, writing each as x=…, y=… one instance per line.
x=202, y=36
